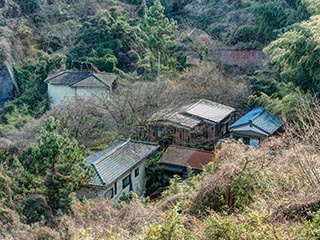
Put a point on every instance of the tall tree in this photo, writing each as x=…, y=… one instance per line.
x=61, y=163
x=159, y=31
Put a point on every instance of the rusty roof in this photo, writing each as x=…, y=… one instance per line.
x=186, y=157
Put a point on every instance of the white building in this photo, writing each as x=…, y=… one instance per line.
x=67, y=85
x=118, y=170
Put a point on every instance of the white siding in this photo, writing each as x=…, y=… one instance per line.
x=58, y=93
x=91, y=92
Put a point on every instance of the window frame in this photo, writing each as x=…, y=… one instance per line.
x=136, y=172
x=110, y=190
x=124, y=184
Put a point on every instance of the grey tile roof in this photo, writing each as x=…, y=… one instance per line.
x=76, y=78
x=117, y=159
x=191, y=115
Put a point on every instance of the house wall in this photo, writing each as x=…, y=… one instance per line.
x=57, y=93
x=90, y=92
x=138, y=185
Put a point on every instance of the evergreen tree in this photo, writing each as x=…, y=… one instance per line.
x=160, y=32
x=61, y=164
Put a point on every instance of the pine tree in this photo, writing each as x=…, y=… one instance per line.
x=61, y=163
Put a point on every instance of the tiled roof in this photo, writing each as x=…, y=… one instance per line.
x=182, y=156
x=76, y=79
x=191, y=115
x=117, y=159
x=260, y=119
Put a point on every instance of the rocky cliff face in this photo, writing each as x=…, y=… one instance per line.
x=8, y=87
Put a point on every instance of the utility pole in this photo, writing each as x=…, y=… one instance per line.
x=159, y=63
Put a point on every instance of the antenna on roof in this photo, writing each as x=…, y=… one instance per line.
x=83, y=66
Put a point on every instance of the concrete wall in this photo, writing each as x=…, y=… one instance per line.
x=58, y=93
x=90, y=92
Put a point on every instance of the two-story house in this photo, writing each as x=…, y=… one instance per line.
x=118, y=169
x=197, y=125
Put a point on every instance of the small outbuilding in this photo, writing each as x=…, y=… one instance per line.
x=67, y=85
x=176, y=160
x=255, y=126
x=118, y=169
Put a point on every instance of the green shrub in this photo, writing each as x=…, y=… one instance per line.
x=250, y=227
x=171, y=229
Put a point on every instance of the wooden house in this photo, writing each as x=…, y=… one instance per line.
x=196, y=125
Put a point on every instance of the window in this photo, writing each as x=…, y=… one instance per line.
x=109, y=194
x=136, y=172
x=125, y=182
x=115, y=188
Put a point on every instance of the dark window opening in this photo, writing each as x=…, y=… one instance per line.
x=125, y=182
x=136, y=172
x=109, y=194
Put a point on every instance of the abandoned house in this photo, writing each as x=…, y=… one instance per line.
x=196, y=125
x=176, y=160
x=8, y=86
x=80, y=83
x=255, y=126
x=118, y=170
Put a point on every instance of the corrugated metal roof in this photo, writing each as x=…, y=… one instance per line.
x=117, y=159
x=258, y=118
x=73, y=78
x=247, y=117
x=209, y=110
x=268, y=122
x=191, y=115
x=182, y=156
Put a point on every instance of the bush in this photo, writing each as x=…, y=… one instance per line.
x=249, y=227
x=172, y=228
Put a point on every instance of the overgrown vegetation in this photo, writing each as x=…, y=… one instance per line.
x=246, y=193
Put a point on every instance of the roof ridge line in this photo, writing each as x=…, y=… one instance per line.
x=263, y=110
x=54, y=76
x=81, y=79
x=189, y=148
x=194, y=104
x=111, y=152
x=144, y=142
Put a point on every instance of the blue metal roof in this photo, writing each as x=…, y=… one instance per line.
x=248, y=117
x=258, y=118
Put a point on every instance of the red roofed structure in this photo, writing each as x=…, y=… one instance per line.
x=177, y=159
